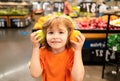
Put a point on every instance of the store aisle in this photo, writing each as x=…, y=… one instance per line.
x=15, y=53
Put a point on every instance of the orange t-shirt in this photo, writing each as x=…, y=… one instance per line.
x=56, y=67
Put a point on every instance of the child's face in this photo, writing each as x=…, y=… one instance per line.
x=57, y=37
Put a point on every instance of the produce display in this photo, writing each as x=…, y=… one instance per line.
x=85, y=14
x=114, y=42
x=75, y=8
x=115, y=22
x=85, y=23
x=74, y=14
x=112, y=17
x=41, y=20
x=75, y=11
x=13, y=12
x=95, y=22
x=91, y=23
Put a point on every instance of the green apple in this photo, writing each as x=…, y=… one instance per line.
x=41, y=36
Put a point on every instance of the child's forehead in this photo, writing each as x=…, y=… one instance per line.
x=60, y=27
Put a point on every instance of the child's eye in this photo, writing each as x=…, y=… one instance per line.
x=50, y=32
x=61, y=32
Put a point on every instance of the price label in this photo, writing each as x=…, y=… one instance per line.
x=88, y=7
x=59, y=6
x=16, y=22
x=109, y=55
x=3, y=22
x=45, y=4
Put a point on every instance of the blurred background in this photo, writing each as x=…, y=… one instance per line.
x=18, y=18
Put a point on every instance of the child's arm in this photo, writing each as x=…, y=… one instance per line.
x=78, y=67
x=35, y=66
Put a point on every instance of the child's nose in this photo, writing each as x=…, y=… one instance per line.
x=56, y=35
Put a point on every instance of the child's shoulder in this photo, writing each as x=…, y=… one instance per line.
x=71, y=49
x=43, y=50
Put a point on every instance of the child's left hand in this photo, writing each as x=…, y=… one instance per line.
x=78, y=45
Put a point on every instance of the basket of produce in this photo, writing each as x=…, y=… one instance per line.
x=114, y=42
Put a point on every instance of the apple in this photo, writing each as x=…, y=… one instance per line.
x=41, y=36
x=73, y=35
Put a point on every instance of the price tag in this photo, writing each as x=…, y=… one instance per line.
x=3, y=22
x=88, y=7
x=58, y=6
x=109, y=55
x=45, y=4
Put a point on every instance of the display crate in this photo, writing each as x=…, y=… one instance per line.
x=3, y=21
x=18, y=21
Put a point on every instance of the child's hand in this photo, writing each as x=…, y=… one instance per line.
x=34, y=39
x=78, y=45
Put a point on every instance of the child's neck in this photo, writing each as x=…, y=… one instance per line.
x=57, y=51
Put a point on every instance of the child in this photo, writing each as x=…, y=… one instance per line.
x=59, y=59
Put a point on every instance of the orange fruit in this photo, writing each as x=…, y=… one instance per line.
x=74, y=34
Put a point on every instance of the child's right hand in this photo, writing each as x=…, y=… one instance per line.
x=34, y=40
x=78, y=44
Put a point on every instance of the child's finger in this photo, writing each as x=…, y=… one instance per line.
x=39, y=39
x=81, y=37
x=72, y=42
x=33, y=35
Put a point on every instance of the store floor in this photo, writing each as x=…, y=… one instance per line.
x=15, y=53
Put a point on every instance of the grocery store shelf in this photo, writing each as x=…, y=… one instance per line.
x=97, y=34
x=94, y=35
x=13, y=3
x=14, y=21
x=99, y=31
